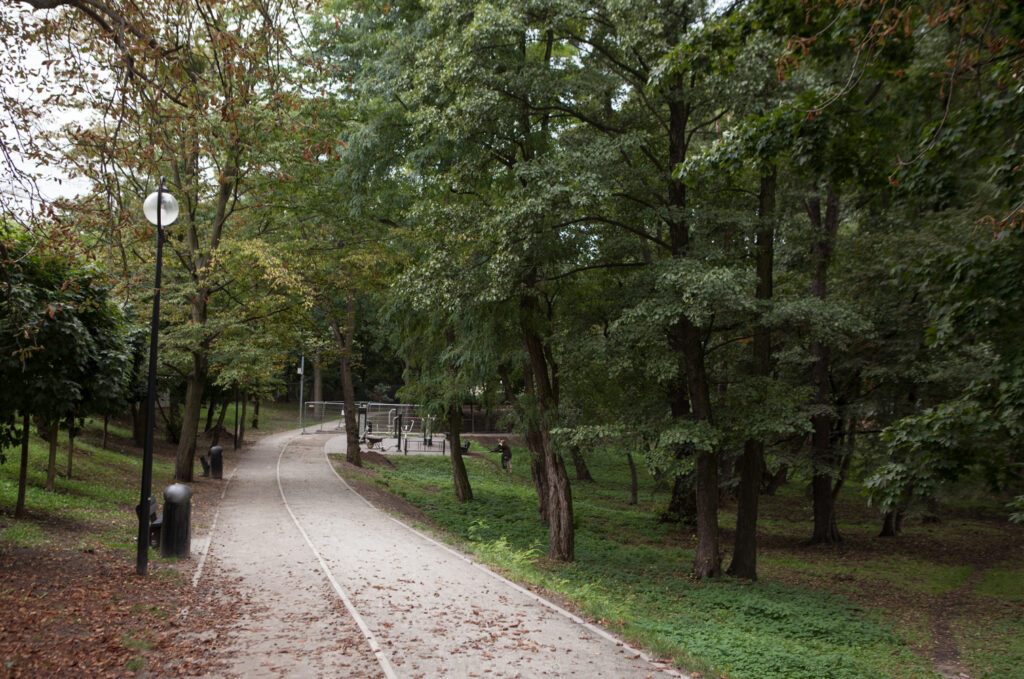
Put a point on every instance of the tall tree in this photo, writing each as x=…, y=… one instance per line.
x=497, y=112
x=62, y=340
x=198, y=86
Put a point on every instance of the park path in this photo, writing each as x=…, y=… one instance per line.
x=344, y=590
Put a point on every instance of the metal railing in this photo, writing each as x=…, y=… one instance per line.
x=322, y=414
x=387, y=426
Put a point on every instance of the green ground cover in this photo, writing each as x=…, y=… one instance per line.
x=858, y=612
x=72, y=602
x=997, y=650
x=871, y=609
x=96, y=504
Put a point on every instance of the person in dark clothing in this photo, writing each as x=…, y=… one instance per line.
x=506, y=455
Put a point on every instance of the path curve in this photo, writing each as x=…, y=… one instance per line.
x=346, y=590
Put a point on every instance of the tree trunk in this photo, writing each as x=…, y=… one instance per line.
x=219, y=427
x=210, y=409
x=318, y=385
x=707, y=562
x=19, y=508
x=634, y=486
x=460, y=479
x=71, y=448
x=463, y=491
x=826, y=529
x=682, y=504
x=186, y=455
x=139, y=423
x=51, y=465
x=537, y=472
x=892, y=523
x=561, y=531
x=582, y=471
x=776, y=480
x=687, y=339
x=256, y=412
x=751, y=464
x=172, y=423
x=202, y=255
x=106, y=421
x=346, y=345
x=744, y=555
x=844, y=470
x=532, y=436
x=241, y=419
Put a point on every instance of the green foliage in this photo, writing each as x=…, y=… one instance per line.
x=628, y=576
x=98, y=504
x=589, y=172
x=1005, y=583
x=63, y=342
x=695, y=289
x=1018, y=509
x=977, y=316
x=999, y=652
x=783, y=632
x=96, y=425
x=904, y=574
x=499, y=550
x=24, y=534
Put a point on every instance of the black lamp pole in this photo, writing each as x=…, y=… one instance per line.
x=142, y=561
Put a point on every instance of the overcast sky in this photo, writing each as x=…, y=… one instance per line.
x=53, y=183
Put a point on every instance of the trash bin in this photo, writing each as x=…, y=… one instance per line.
x=216, y=462
x=176, y=528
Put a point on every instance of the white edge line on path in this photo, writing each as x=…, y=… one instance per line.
x=385, y=664
x=213, y=528
x=603, y=633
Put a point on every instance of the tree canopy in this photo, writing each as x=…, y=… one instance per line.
x=739, y=240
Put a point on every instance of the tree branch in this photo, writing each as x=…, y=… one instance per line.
x=581, y=269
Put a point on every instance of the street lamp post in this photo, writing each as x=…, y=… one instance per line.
x=161, y=209
x=302, y=383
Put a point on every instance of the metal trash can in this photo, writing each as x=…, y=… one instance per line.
x=176, y=528
x=216, y=462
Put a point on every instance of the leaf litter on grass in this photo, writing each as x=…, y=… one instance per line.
x=89, y=613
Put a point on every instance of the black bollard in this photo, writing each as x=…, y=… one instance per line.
x=176, y=529
x=216, y=462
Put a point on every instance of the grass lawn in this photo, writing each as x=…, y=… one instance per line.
x=945, y=596
x=72, y=602
x=93, y=509
x=96, y=507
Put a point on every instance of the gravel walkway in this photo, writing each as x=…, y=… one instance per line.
x=345, y=590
